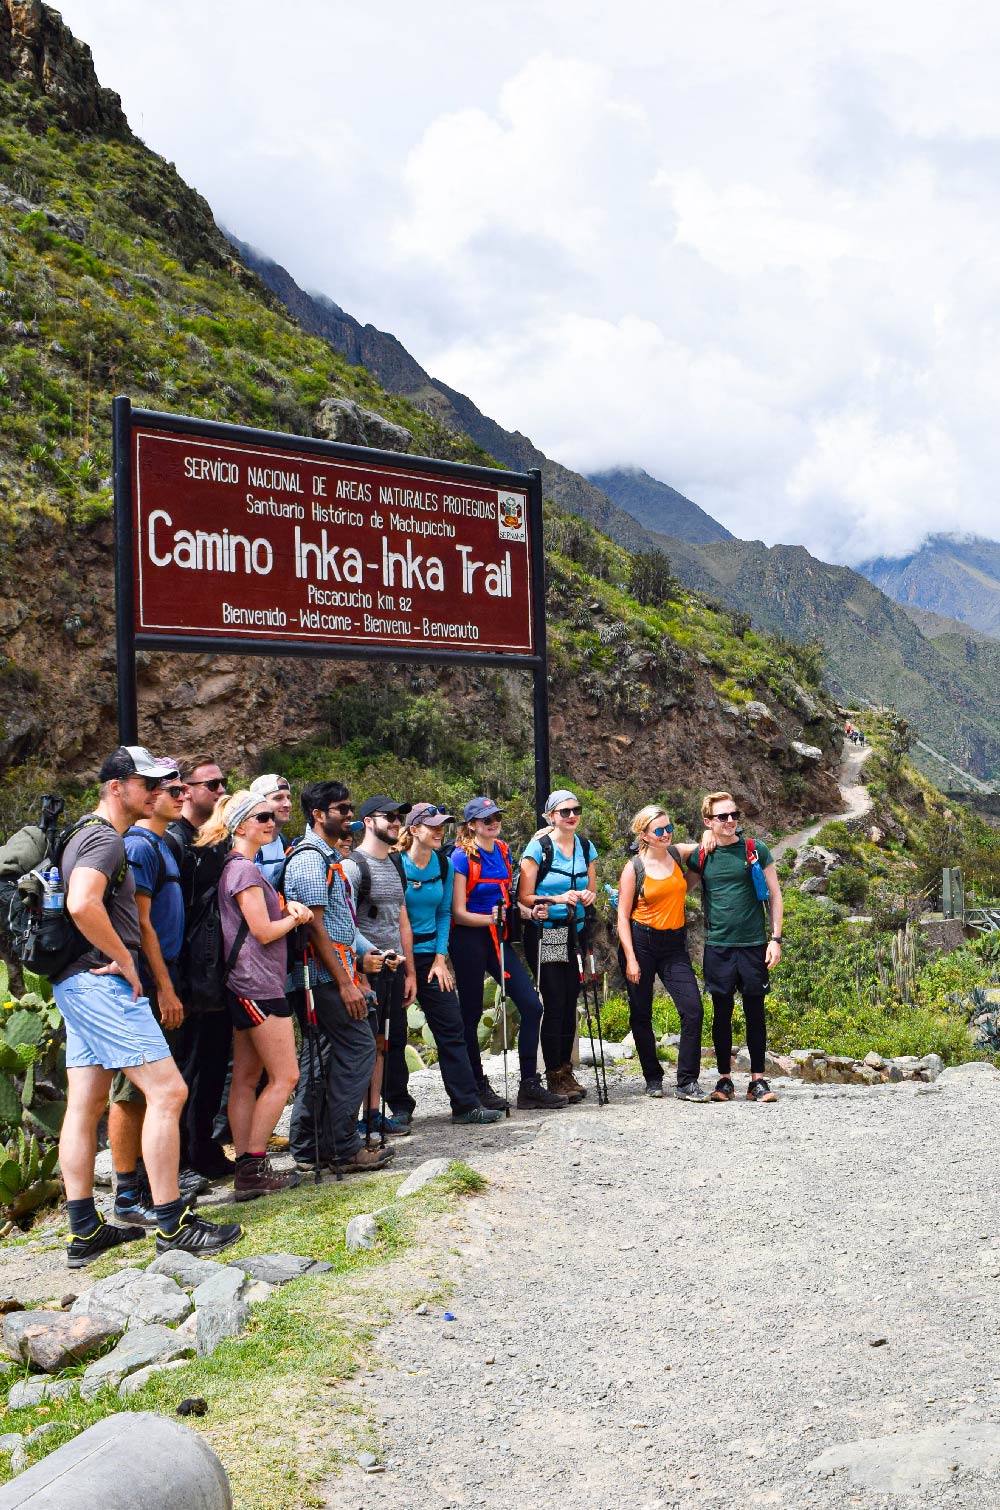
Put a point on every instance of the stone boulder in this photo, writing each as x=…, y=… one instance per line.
x=140, y=1347
x=187, y=1270
x=344, y=420
x=219, y=1320
x=808, y=754
x=53, y=1340
x=135, y=1296
x=279, y=1268
x=430, y=1169
x=814, y=860
x=34, y=1391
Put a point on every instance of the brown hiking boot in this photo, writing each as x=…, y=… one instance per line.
x=257, y=1177
x=562, y=1083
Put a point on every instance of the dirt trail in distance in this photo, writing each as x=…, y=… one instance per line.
x=852, y=789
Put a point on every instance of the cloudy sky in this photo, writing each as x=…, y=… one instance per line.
x=750, y=247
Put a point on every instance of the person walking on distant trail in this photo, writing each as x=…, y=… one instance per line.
x=255, y=928
x=737, y=877
x=429, y=884
x=557, y=884
x=483, y=877
x=110, y=1024
x=652, y=939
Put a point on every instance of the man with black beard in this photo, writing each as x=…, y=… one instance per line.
x=346, y=1045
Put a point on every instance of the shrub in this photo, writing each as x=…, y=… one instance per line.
x=848, y=884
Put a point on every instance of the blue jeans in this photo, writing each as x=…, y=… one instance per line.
x=474, y=956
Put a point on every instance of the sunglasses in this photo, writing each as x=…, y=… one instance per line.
x=345, y=809
x=726, y=817
x=430, y=811
x=262, y=817
x=390, y=817
x=151, y=783
x=664, y=828
x=490, y=822
x=215, y=785
x=174, y=791
x=568, y=812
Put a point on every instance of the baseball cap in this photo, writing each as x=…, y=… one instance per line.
x=554, y=798
x=426, y=812
x=134, y=760
x=382, y=804
x=266, y=786
x=481, y=807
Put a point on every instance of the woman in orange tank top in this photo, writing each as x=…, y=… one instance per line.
x=653, y=943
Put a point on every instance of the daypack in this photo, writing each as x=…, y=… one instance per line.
x=205, y=967
x=754, y=866
x=547, y=845
x=443, y=868
x=297, y=937
x=365, y=887
x=48, y=942
x=163, y=878
x=640, y=873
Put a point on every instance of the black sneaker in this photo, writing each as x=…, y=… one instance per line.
x=476, y=1116
x=191, y=1184
x=725, y=1090
x=81, y=1251
x=136, y=1209
x=194, y=1235
x=490, y=1099
x=654, y=1088
x=692, y=1091
x=759, y=1090
x=533, y=1097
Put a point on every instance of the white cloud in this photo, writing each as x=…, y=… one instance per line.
x=751, y=248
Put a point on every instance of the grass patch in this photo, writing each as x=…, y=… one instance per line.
x=283, y=1374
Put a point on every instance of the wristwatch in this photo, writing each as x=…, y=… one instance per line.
x=775, y=938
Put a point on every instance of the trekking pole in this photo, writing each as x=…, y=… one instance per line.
x=384, y=1035
x=590, y=1021
x=503, y=1003
x=589, y=925
x=317, y=1074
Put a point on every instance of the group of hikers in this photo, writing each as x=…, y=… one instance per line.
x=342, y=929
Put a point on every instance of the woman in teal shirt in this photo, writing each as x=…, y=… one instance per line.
x=558, y=884
x=429, y=883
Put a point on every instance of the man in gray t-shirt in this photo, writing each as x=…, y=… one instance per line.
x=376, y=878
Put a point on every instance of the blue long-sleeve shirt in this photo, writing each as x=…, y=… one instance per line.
x=428, y=904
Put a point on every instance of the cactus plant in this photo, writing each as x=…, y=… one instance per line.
x=32, y=1065
x=904, y=963
x=26, y=1177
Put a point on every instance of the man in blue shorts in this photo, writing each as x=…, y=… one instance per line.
x=110, y=1024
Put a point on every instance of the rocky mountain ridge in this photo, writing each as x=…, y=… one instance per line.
x=954, y=576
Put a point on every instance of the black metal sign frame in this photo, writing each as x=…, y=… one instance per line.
x=125, y=420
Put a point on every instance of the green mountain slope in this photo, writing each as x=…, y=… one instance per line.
x=658, y=506
x=957, y=578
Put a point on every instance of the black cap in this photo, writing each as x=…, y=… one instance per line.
x=382, y=804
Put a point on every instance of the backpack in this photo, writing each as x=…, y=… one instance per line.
x=48, y=942
x=640, y=873
x=443, y=868
x=754, y=866
x=364, y=870
x=205, y=968
x=162, y=877
x=296, y=937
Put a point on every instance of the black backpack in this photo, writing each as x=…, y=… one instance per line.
x=162, y=877
x=365, y=888
x=46, y=941
x=205, y=966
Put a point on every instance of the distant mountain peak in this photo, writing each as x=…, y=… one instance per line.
x=658, y=506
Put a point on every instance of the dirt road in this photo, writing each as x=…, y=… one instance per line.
x=852, y=790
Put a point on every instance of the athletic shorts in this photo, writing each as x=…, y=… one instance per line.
x=248, y=1012
x=122, y=1089
x=105, y=1028
x=740, y=969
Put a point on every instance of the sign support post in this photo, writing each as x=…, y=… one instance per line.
x=253, y=542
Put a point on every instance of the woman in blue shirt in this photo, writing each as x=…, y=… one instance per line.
x=429, y=883
x=558, y=883
x=483, y=876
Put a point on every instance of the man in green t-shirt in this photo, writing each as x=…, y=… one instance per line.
x=738, y=951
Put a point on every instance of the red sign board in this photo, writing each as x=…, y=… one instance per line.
x=237, y=540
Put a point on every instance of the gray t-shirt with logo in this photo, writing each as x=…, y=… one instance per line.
x=385, y=897
x=100, y=847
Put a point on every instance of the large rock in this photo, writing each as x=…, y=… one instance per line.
x=279, y=1268
x=814, y=860
x=53, y=1340
x=34, y=1391
x=344, y=420
x=224, y=1319
x=915, y=1461
x=807, y=753
x=133, y=1383
x=430, y=1169
x=362, y=1232
x=185, y=1268
x=135, y=1296
x=139, y=1347
x=220, y=1289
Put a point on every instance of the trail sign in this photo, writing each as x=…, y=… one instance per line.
x=258, y=543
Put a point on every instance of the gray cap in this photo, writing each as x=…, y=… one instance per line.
x=266, y=786
x=134, y=760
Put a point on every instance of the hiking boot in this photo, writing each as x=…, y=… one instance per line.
x=692, y=1091
x=476, y=1116
x=654, y=1088
x=366, y=1160
x=81, y=1251
x=759, y=1090
x=394, y=1125
x=489, y=1098
x=255, y=1177
x=561, y=1083
x=191, y=1184
x=136, y=1209
x=725, y=1090
x=194, y=1235
x=533, y=1097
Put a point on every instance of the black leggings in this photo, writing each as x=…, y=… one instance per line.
x=663, y=952
x=559, y=988
x=722, y=1030
x=474, y=956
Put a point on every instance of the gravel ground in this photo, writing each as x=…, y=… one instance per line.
x=660, y=1304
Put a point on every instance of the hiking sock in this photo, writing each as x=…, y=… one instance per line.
x=127, y=1185
x=243, y=1159
x=168, y=1216
x=83, y=1218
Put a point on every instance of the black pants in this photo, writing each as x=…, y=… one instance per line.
x=474, y=956
x=663, y=952
x=204, y=1044
x=728, y=970
x=559, y=987
x=328, y=1094
x=389, y=986
x=444, y=1018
